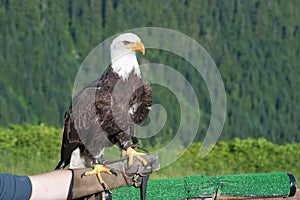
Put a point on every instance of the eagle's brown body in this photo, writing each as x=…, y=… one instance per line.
x=104, y=113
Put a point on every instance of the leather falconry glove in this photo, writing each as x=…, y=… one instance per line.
x=136, y=175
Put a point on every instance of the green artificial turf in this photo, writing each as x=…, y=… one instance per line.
x=259, y=185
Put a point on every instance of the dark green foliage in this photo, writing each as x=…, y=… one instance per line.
x=236, y=156
x=254, y=44
x=29, y=149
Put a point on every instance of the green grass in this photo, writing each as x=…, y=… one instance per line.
x=28, y=149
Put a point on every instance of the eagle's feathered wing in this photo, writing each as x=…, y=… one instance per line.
x=106, y=112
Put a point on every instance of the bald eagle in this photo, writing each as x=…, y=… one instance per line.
x=108, y=110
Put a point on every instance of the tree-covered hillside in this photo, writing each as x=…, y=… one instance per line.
x=253, y=42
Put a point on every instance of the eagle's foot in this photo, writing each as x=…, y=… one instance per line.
x=131, y=153
x=97, y=169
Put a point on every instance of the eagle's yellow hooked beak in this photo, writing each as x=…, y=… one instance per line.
x=138, y=46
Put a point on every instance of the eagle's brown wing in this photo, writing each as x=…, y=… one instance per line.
x=104, y=113
x=81, y=126
x=141, y=102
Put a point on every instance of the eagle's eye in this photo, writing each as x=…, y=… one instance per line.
x=126, y=42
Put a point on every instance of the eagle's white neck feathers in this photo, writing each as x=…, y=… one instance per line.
x=123, y=55
x=123, y=65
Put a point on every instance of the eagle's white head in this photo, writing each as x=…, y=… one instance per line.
x=123, y=54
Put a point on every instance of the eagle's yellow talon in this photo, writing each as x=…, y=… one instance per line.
x=131, y=153
x=97, y=169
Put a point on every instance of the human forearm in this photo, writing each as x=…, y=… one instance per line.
x=51, y=185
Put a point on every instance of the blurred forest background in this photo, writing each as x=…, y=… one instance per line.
x=254, y=43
